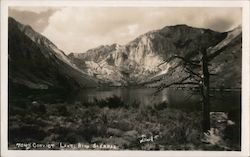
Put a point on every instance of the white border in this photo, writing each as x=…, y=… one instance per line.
x=245, y=77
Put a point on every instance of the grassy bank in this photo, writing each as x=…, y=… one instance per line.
x=110, y=121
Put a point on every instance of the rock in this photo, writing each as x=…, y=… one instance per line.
x=35, y=103
x=218, y=117
x=124, y=125
x=131, y=135
x=114, y=132
x=229, y=122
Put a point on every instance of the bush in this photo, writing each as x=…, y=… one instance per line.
x=114, y=102
x=161, y=106
x=135, y=104
x=111, y=102
x=27, y=133
x=111, y=121
x=62, y=110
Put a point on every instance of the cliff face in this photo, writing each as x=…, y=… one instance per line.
x=35, y=62
x=143, y=59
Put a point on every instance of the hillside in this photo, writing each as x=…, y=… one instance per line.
x=34, y=62
x=143, y=60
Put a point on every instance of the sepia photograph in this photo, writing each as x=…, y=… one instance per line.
x=115, y=78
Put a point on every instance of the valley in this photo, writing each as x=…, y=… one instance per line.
x=115, y=94
x=143, y=61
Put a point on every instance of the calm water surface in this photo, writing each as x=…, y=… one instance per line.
x=148, y=96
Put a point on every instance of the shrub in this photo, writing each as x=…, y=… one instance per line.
x=111, y=102
x=161, y=106
x=27, y=133
x=62, y=110
x=114, y=102
x=135, y=104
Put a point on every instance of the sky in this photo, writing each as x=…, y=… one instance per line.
x=77, y=29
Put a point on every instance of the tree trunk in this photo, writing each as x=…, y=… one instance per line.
x=205, y=92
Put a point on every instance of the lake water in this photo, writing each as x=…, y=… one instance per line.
x=178, y=98
x=220, y=101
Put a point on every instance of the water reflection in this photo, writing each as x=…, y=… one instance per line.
x=129, y=95
x=146, y=96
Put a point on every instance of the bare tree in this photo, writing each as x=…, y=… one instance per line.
x=205, y=91
x=198, y=75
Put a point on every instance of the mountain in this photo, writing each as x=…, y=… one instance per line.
x=96, y=54
x=222, y=56
x=143, y=60
x=35, y=62
x=98, y=63
x=227, y=61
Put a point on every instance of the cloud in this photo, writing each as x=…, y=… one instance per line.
x=36, y=17
x=132, y=29
x=32, y=9
x=77, y=29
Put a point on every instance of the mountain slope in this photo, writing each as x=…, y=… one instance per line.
x=225, y=64
x=144, y=59
x=227, y=61
x=36, y=63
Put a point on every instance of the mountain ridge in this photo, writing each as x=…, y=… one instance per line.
x=36, y=63
x=41, y=64
x=156, y=47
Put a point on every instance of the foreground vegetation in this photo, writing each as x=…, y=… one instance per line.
x=113, y=122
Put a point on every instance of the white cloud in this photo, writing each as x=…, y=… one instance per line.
x=32, y=9
x=132, y=29
x=77, y=29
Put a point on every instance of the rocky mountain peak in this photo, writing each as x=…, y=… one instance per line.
x=143, y=58
x=115, y=46
x=136, y=62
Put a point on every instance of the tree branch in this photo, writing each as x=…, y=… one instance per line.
x=191, y=62
x=192, y=72
x=181, y=82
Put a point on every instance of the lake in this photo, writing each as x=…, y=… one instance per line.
x=220, y=101
x=225, y=101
